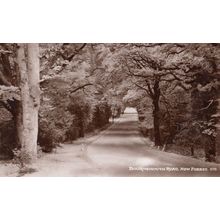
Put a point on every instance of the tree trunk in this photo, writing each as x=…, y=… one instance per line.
x=156, y=114
x=28, y=64
x=192, y=151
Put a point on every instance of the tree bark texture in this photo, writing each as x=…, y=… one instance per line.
x=28, y=64
x=156, y=114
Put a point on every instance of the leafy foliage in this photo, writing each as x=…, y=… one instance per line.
x=9, y=93
x=175, y=88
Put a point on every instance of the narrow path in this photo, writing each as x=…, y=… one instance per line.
x=120, y=151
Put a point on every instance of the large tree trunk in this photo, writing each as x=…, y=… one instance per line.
x=28, y=64
x=156, y=114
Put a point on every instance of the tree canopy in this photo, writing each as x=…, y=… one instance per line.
x=175, y=88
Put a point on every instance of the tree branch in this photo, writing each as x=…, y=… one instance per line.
x=81, y=87
x=148, y=45
x=6, y=106
x=70, y=57
x=5, y=51
x=150, y=90
x=210, y=103
x=142, y=88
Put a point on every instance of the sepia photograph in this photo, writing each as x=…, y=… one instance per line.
x=109, y=109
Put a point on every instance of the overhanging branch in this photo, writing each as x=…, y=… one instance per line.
x=70, y=57
x=81, y=87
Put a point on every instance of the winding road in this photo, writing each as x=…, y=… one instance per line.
x=120, y=150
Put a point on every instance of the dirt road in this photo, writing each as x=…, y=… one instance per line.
x=120, y=151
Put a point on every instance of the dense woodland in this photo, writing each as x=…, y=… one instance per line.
x=55, y=93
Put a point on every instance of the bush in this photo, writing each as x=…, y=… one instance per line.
x=72, y=133
x=47, y=141
x=21, y=158
x=66, y=118
x=81, y=117
x=101, y=115
x=191, y=137
x=49, y=135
